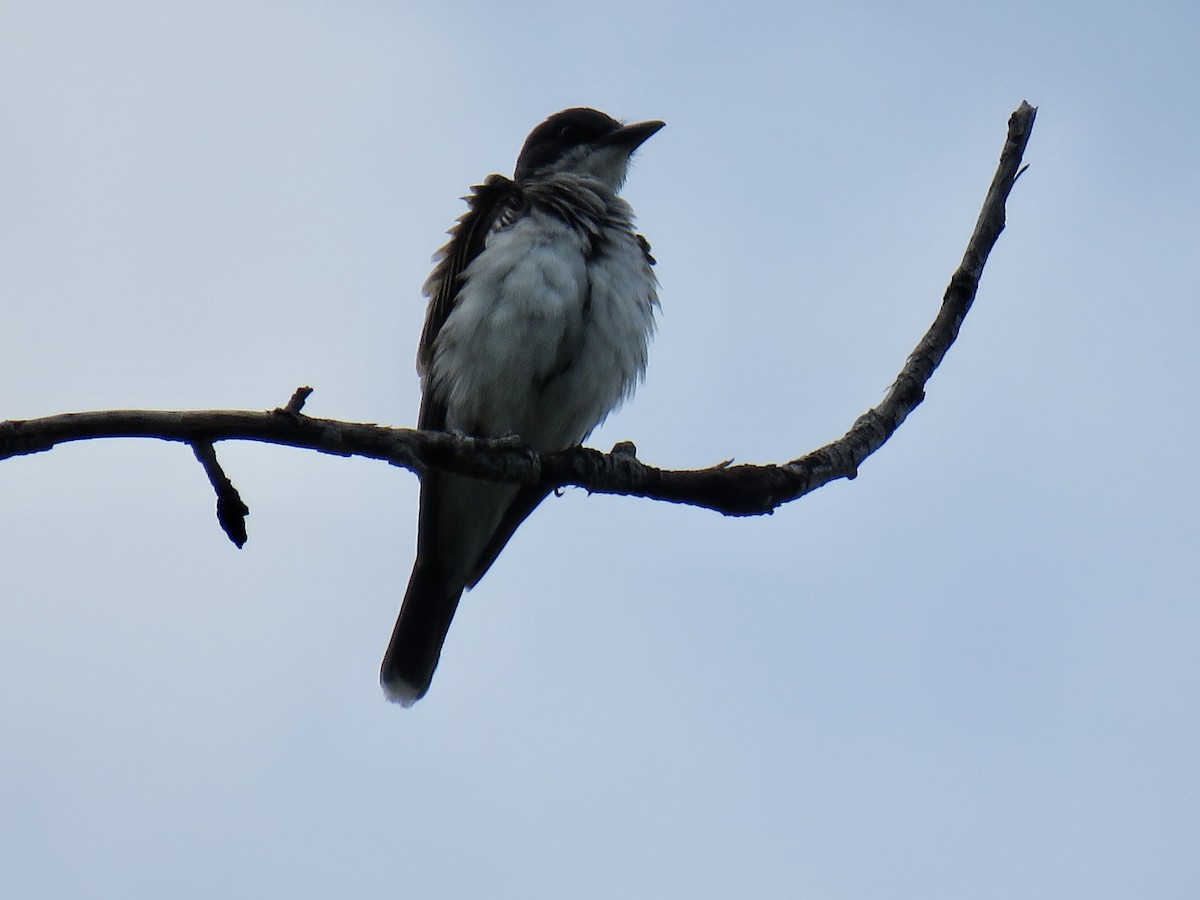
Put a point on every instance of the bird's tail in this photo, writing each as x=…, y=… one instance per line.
x=425, y=616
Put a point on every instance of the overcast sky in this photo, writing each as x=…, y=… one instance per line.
x=972, y=672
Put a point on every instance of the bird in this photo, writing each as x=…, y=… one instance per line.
x=541, y=309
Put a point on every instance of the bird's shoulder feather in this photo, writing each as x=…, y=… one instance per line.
x=492, y=206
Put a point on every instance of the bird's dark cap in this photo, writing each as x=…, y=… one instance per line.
x=570, y=128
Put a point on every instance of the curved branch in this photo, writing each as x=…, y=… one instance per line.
x=732, y=490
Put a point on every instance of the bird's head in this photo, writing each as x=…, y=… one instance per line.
x=584, y=142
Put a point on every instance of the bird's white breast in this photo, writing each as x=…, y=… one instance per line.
x=546, y=338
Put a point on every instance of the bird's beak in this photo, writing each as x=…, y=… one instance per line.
x=633, y=136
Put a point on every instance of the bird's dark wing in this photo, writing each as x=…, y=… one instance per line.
x=433, y=590
x=491, y=206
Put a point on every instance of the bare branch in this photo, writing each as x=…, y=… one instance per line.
x=732, y=490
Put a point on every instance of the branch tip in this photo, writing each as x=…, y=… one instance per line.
x=231, y=510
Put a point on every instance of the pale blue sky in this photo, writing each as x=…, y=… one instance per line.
x=970, y=673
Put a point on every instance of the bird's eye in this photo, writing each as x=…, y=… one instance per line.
x=566, y=132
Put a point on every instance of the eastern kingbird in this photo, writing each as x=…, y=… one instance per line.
x=540, y=312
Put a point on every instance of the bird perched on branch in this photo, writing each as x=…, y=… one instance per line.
x=540, y=313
